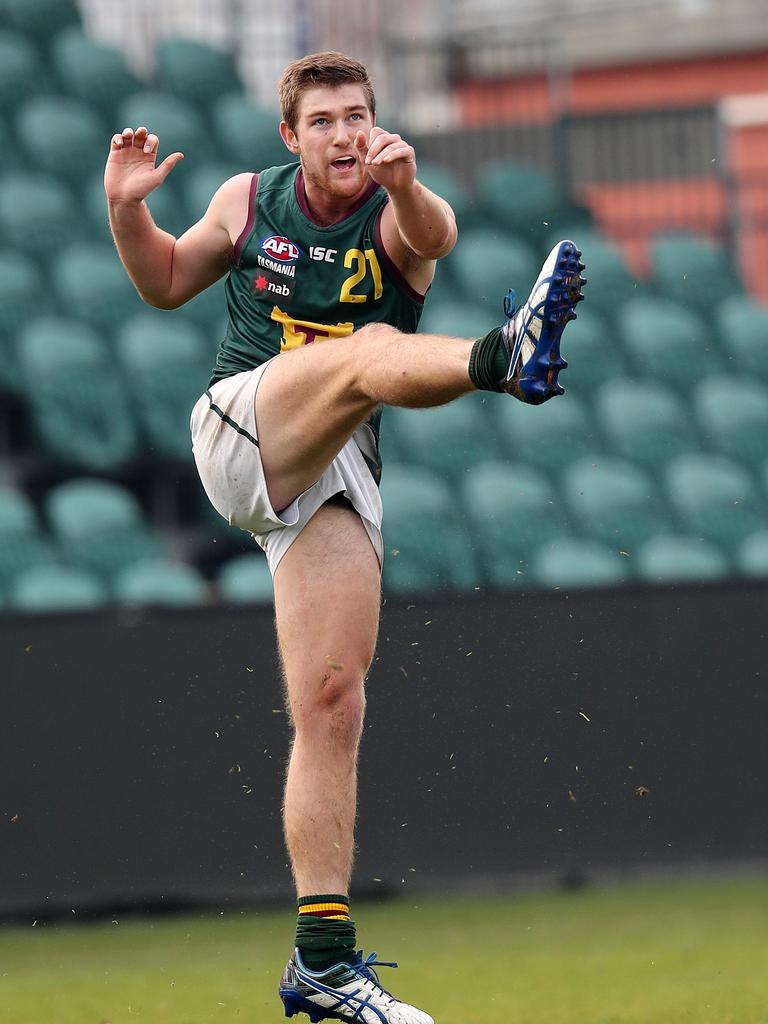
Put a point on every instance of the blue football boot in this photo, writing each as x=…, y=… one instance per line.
x=532, y=333
x=344, y=992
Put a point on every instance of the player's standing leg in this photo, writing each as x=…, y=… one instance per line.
x=327, y=610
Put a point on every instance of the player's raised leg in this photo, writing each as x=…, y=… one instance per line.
x=327, y=608
x=311, y=399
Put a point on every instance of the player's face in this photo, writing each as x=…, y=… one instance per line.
x=328, y=120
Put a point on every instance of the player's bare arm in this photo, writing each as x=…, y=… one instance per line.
x=166, y=271
x=417, y=226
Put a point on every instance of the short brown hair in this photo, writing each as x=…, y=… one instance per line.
x=327, y=68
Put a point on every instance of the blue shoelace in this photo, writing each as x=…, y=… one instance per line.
x=365, y=969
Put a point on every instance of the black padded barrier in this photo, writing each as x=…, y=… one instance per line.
x=142, y=755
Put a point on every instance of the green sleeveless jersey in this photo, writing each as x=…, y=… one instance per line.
x=295, y=283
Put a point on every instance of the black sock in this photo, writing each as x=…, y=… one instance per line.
x=489, y=362
x=325, y=935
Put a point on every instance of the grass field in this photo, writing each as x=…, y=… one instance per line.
x=672, y=953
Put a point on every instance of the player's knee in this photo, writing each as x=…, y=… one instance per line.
x=370, y=349
x=336, y=704
x=376, y=332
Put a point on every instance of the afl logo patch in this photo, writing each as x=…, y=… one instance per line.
x=280, y=248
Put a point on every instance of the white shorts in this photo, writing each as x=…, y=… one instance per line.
x=226, y=451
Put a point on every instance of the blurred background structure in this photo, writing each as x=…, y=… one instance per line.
x=638, y=128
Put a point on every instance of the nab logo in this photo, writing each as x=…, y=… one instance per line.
x=281, y=249
x=268, y=284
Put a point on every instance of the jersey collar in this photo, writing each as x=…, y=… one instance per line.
x=301, y=199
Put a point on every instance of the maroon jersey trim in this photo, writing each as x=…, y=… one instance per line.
x=393, y=271
x=301, y=199
x=250, y=222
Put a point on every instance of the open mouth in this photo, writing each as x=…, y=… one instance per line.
x=344, y=163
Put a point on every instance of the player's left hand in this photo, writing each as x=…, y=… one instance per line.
x=389, y=160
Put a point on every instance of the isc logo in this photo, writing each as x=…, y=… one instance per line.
x=281, y=248
x=319, y=252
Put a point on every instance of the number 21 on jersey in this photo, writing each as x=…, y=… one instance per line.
x=359, y=261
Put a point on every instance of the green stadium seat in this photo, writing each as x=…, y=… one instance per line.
x=714, y=497
x=457, y=319
x=390, y=448
x=487, y=263
x=693, y=270
x=164, y=205
x=668, y=342
x=46, y=118
x=94, y=72
x=94, y=206
x=742, y=325
x=427, y=546
x=23, y=295
x=168, y=211
x=732, y=413
x=444, y=289
x=549, y=436
x=752, y=555
x=39, y=20
x=677, y=558
x=614, y=501
x=208, y=311
x=99, y=526
x=91, y=284
x=575, y=563
x=513, y=509
x=195, y=71
x=11, y=157
x=22, y=72
x=447, y=439
x=246, y=579
x=167, y=365
x=248, y=134
x=593, y=355
x=56, y=588
x=77, y=400
x=160, y=583
x=201, y=184
x=178, y=125
x=22, y=544
x=523, y=199
x=644, y=421
x=38, y=216
x=444, y=183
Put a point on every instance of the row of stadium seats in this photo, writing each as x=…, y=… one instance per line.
x=706, y=519
x=645, y=421
x=152, y=582
x=576, y=562
x=45, y=50
x=692, y=273
x=98, y=547
x=39, y=124
x=99, y=406
x=646, y=335
x=504, y=513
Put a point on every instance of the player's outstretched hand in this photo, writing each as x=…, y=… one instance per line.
x=131, y=174
x=389, y=160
